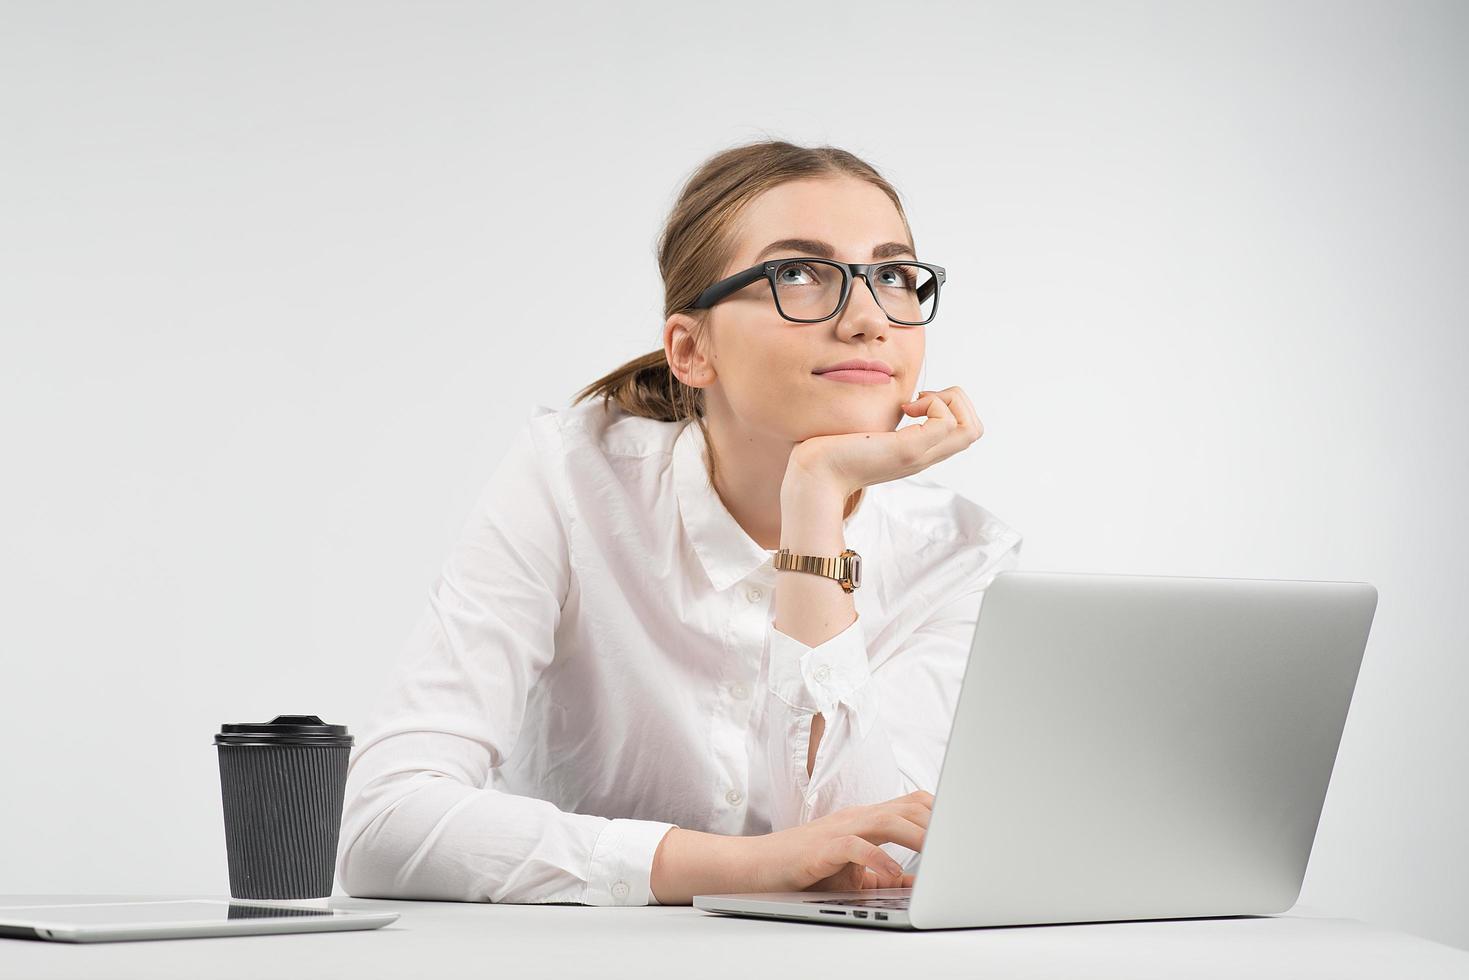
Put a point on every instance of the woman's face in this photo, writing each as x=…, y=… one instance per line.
x=765, y=368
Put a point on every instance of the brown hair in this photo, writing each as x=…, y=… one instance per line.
x=695, y=245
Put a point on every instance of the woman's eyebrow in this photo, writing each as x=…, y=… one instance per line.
x=811, y=246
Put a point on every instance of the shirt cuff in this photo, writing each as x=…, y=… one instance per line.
x=622, y=862
x=820, y=677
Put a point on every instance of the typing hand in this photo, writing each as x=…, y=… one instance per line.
x=840, y=852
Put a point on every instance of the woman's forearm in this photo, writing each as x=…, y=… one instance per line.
x=811, y=608
x=691, y=862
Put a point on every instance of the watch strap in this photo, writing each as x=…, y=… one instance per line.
x=845, y=568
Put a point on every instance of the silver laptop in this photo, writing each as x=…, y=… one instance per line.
x=1125, y=747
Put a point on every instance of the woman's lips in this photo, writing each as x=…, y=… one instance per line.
x=858, y=377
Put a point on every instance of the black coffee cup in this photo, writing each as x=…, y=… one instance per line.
x=283, y=783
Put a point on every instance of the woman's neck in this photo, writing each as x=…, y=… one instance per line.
x=748, y=475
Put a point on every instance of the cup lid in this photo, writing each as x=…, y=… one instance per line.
x=283, y=729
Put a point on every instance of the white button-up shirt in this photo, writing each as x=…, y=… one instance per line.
x=598, y=663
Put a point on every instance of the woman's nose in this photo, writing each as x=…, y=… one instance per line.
x=862, y=313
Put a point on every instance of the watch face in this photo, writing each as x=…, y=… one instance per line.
x=854, y=570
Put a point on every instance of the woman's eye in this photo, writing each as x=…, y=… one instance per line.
x=898, y=277
x=803, y=275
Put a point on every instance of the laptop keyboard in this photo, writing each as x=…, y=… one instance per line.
x=882, y=903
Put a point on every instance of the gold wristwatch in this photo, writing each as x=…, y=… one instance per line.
x=846, y=567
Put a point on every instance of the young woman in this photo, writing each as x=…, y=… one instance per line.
x=705, y=629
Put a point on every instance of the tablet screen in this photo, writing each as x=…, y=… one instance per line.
x=150, y=913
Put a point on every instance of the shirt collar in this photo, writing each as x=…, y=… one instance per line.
x=727, y=552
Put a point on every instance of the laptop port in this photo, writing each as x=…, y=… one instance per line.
x=832, y=912
x=880, y=915
x=860, y=914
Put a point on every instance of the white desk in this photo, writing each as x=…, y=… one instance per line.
x=445, y=940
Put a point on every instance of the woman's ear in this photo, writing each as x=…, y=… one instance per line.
x=685, y=359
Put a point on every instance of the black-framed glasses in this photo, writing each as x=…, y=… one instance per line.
x=810, y=290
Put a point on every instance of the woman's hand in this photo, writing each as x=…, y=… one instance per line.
x=837, y=852
x=853, y=460
x=840, y=852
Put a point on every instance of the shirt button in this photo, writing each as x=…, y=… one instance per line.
x=822, y=673
x=740, y=692
x=734, y=796
x=621, y=889
x=754, y=594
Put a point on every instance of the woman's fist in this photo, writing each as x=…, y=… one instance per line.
x=853, y=460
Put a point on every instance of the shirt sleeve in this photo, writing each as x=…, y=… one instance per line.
x=886, y=728
x=420, y=820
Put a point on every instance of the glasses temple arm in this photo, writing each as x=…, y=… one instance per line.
x=724, y=287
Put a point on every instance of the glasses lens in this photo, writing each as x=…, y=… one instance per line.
x=907, y=293
x=808, y=289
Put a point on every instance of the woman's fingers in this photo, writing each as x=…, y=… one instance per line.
x=933, y=404
x=871, y=880
x=969, y=415
x=928, y=436
x=916, y=806
x=885, y=826
x=942, y=435
x=953, y=405
x=916, y=812
x=951, y=402
x=853, y=856
x=853, y=849
x=959, y=404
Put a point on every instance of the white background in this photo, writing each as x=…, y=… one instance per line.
x=264, y=339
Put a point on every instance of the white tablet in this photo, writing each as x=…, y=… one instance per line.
x=175, y=919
